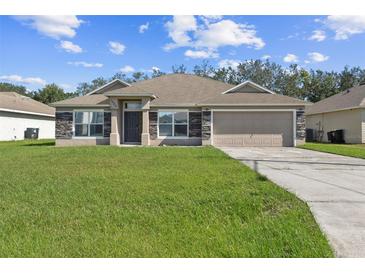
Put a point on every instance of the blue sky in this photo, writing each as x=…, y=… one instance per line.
x=67, y=50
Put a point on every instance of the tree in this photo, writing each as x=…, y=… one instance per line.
x=138, y=76
x=204, y=70
x=120, y=76
x=156, y=73
x=311, y=85
x=14, y=88
x=51, y=93
x=179, y=69
x=84, y=87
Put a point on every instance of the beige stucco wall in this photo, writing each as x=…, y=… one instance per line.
x=348, y=120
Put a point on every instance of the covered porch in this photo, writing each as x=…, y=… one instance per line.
x=129, y=118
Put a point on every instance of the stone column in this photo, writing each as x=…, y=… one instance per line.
x=300, y=127
x=115, y=122
x=145, y=138
x=206, y=128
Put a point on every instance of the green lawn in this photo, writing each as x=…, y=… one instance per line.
x=357, y=151
x=145, y=202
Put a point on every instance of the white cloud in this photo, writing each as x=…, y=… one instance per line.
x=178, y=30
x=213, y=17
x=70, y=47
x=228, y=33
x=144, y=27
x=151, y=70
x=127, y=69
x=19, y=79
x=318, y=35
x=291, y=58
x=266, y=57
x=212, y=34
x=345, y=25
x=317, y=57
x=207, y=19
x=225, y=63
x=116, y=47
x=53, y=26
x=201, y=54
x=85, y=64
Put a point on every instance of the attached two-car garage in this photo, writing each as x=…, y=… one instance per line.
x=253, y=128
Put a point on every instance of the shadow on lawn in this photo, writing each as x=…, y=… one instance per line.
x=37, y=144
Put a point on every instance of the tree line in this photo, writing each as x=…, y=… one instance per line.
x=307, y=84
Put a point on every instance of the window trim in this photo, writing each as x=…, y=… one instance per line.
x=88, y=124
x=126, y=109
x=173, y=124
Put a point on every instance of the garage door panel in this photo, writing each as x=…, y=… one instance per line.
x=253, y=129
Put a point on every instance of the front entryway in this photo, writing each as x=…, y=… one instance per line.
x=132, y=126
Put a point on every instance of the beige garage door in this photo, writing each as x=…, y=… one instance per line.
x=253, y=128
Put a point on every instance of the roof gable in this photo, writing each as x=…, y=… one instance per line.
x=248, y=87
x=115, y=84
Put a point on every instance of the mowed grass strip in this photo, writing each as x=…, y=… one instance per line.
x=351, y=150
x=145, y=202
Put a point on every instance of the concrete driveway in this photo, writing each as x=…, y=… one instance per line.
x=333, y=186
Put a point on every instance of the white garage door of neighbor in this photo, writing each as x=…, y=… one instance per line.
x=253, y=128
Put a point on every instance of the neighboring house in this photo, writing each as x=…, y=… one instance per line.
x=345, y=110
x=17, y=113
x=180, y=109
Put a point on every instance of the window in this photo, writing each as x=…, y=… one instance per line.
x=132, y=105
x=89, y=123
x=173, y=124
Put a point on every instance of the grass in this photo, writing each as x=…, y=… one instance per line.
x=357, y=150
x=145, y=202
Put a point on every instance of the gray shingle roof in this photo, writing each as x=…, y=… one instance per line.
x=87, y=100
x=186, y=90
x=351, y=98
x=15, y=102
x=252, y=99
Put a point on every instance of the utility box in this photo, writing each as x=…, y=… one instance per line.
x=31, y=133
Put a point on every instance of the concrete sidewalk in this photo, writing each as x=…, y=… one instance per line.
x=332, y=185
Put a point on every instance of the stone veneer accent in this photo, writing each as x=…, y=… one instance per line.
x=64, y=125
x=195, y=124
x=107, y=124
x=152, y=116
x=206, y=125
x=300, y=123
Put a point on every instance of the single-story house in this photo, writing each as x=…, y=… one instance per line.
x=180, y=109
x=17, y=113
x=343, y=111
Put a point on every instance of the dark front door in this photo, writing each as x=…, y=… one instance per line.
x=132, y=126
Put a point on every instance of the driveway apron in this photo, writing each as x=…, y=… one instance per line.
x=333, y=186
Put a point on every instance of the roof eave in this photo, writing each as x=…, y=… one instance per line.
x=334, y=110
x=79, y=105
x=131, y=94
x=255, y=104
x=26, y=112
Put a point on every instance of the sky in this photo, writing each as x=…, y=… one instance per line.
x=67, y=50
